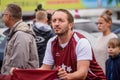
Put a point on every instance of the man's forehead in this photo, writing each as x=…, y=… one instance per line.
x=59, y=14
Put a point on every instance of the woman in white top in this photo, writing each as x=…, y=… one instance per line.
x=100, y=47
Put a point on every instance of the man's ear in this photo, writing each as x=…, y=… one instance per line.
x=71, y=25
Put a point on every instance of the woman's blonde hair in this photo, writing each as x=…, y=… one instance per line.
x=106, y=15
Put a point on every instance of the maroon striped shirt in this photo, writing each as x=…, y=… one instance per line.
x=66, y=58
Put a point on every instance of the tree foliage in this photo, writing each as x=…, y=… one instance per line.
x=110, y=1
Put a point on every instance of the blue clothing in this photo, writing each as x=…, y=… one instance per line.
x=113, y=68
x=43, y=34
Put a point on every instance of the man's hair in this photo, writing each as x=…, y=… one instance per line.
x=41, y=15
x=69, y=15
x=15, y=11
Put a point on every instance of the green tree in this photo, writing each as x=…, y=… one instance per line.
x=110, y=1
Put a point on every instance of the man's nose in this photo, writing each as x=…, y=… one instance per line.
x=57, y=22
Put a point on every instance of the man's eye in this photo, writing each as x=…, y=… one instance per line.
x=53, y=20
x=61, y=20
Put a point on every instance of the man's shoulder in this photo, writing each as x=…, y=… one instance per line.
x=42, y=27
x=20, y=33
x=23, y=35
x=53, y=38
x=79, y=35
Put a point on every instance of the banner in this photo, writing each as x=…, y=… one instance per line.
x=30, y=5
x=28, y=74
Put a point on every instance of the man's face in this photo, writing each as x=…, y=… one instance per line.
x=6, y=17
x=60, y=23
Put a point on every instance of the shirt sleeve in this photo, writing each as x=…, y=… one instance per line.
x=83, y=50
x=48, y=58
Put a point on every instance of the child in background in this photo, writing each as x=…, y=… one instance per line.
x=113, y=62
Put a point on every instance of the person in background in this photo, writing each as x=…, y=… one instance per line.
x=39, y=7
x=49, y=12
x=113, y=62
x=70, y=51
x=100, y=47
x=43, y=33
x=21, y=50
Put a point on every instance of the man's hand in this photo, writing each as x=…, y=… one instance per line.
x=63, y=74
x=11, y=70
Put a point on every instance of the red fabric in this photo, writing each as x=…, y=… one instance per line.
x=35, y=75
x=66, y=57
x=5, y=77
x=95, y=72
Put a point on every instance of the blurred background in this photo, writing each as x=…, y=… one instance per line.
x=79, y=8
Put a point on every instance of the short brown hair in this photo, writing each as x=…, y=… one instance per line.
x=114, y=42
x=69, y=15
x=15, y=10
x=41, y=15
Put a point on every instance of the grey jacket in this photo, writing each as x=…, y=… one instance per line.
x=21, y=50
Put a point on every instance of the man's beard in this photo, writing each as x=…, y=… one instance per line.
x=63, y=33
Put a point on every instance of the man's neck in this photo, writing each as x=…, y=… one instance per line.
x=12, y=23
x=65, y=38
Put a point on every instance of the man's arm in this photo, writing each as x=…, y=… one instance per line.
x=81, y=73
x=46, y=67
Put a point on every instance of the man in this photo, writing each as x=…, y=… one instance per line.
x=21, y=50
x=43, y=33
x=70, y=51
